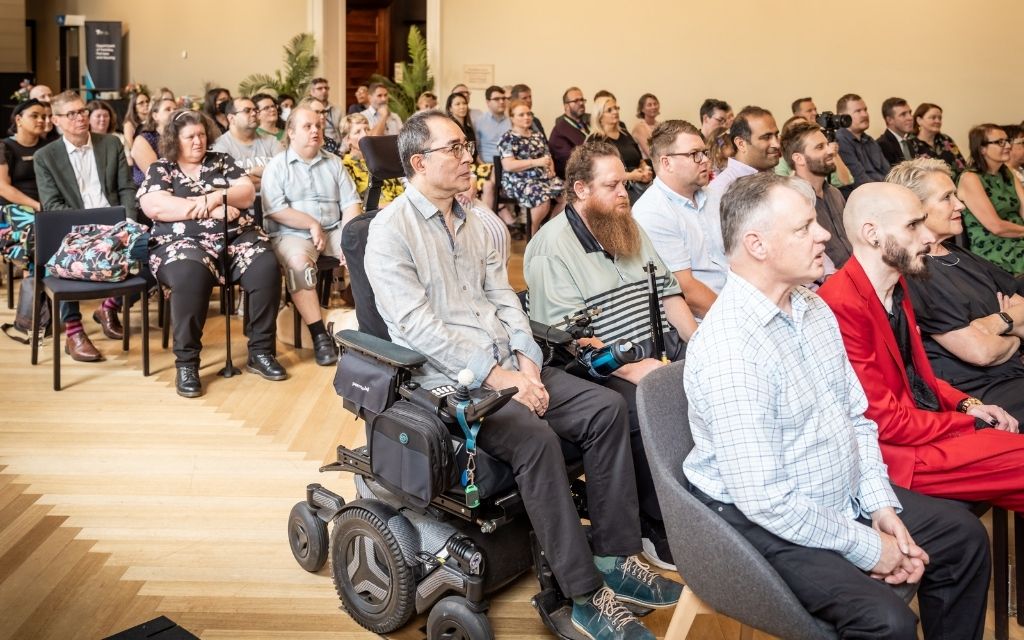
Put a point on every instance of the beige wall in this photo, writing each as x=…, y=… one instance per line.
x=12, y=37
x=226, y=40
x=962, y=56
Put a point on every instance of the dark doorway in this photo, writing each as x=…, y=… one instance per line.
x=375, y=38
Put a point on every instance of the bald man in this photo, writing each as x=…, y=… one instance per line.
x=935, y=439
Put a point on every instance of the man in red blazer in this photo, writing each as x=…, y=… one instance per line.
x=935, y=439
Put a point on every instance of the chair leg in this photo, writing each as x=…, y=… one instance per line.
x=55, y=314
x=689, y=607
x=125, y=323
x=1001, y=573
x=10, y=284
x=746, y=633
x=145, y=331
x=37, y=305
x=160, y=307
x=165, y=320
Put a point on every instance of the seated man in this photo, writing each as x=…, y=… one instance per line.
x=442, y=290
x=680, y=215
x=784, y=453
x=382, y=121
x=251, y=149
x=970, y=312
x=593, y=257
x=307, y=199
x=897, y=141
x=935, y=439
x=570, y=130
x=714, y=113
x=859, y=150
x=756, y=137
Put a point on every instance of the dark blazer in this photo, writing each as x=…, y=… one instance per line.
x=58, y=188
x=564, y=138
x=891, y=147
x=904, y=431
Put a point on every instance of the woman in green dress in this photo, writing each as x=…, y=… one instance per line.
x=995, y=215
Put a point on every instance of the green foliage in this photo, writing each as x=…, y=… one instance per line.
x=416, y=77
x=300, y=63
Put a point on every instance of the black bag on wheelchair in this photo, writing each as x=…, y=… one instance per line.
x=411, y=453
x=365, y=383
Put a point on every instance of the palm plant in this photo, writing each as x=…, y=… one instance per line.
x=300, y=63
x=416, y=77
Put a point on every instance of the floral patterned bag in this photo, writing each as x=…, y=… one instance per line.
x=99, y=252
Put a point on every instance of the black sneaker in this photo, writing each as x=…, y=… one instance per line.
x=325, y=350
x=655, y=545
x=187, y=382
x=266, y=365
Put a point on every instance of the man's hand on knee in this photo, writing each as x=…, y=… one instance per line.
x=316, y=233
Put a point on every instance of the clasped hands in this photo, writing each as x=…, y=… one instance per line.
x=902, y=560
x=210, y=205
x=532, y=393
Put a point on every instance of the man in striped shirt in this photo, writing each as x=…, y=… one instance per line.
x=593, y=258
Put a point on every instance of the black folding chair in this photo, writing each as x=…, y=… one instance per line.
x=50, y=229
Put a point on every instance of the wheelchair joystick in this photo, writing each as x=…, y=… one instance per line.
x=462, y=391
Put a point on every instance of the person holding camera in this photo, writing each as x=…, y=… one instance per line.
x=858, y=150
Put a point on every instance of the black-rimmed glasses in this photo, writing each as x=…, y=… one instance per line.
x=71, y=115
x=1001, y=142
x=698, y=156
x=455, y=150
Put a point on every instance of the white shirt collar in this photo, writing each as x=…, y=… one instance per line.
x=71, y=148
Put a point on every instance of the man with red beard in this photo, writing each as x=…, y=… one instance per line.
x=591, y=258
x=935, y=439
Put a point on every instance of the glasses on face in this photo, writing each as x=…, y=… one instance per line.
x=499, y=99
x=246, y=111
x=577, y=101
x=71, y=115
x=698, y=156
x=455, y=150
x=269, y=107
x=1001, y=142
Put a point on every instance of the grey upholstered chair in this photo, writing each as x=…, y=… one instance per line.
x=719, y=566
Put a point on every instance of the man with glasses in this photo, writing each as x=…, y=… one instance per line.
x=492, y=124
x=680, y=215
x=320, y=89
x=251, y=149
x=714, y=113
x=378, y=114
x=84, y=171
x=524, y=93
x=756, y=137
x=570, y=130
x=442, y=289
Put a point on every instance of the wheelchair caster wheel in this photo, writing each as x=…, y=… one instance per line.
x=452, y=619
x=375, y=585
x=307, y=535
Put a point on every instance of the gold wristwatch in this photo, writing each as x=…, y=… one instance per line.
x=967, y=403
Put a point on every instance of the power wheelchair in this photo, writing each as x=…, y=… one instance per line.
x=393, y=554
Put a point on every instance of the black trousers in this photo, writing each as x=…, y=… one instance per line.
x=595, y=419
x=191, y=283
x=1008, y=394
x=952, y=595
x=649, y=507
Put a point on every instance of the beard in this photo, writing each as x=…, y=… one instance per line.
x=820, y=167
x=615, y=229
x=903, y=261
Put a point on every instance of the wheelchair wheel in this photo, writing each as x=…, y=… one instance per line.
x=307, y=535
x=370, y=575
x=452, y=619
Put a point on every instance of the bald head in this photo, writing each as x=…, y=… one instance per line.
x=878, y=203
x=886, y=226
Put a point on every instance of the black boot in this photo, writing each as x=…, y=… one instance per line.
x=266, y=365
x=188, y=383
x=325, y=350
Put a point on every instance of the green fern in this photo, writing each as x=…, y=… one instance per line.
x=300, y=64
x=416, y=77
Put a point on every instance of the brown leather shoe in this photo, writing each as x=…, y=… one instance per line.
x=109, y=322
x=80, y=348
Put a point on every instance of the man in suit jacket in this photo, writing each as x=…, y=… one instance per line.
x=570, y=129
x=83, y=171
x=935, y=439
x=897, y=142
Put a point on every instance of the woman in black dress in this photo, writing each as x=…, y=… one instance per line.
x=608, y=127
x=970, y=311
x=183, y=194
x=17, y=174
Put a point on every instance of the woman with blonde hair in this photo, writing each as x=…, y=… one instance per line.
x=352, y=129
x=607, y=127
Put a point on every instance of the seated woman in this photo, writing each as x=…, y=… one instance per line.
x=145, y=149
x=19, y=196
x=103, y=120
x=720, y=149
x=269, y=116
x=214, y=105
x=647, y=111
x=995, y=200
x=930, y=142
x=457, y=108
x=970, y=312
x=528, y=170
x=138, y=110
x=608, y=128
x=184, y=194
x=352, y=129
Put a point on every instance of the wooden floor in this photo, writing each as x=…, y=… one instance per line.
x=120, y=501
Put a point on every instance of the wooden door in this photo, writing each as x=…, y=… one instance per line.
x=367, y=46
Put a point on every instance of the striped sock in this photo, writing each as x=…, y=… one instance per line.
x=112, y=303
x=71, y=327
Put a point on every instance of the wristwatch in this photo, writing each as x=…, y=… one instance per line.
x=1009, y=323
x=967, y=403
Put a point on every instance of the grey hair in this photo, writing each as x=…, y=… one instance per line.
x=912, y=173
x=747, y=200
x=415, y=136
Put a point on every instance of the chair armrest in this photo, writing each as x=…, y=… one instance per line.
x=546, y=333
x=373, y=347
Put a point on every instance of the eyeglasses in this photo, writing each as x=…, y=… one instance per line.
x=246, y=111
x=501, y=99
x=71, y=115
x=269, y=107
x=698, y=156
x=455, y=150
x=1002, y=142
x=576, y=101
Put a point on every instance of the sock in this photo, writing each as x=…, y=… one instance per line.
x=316, y=329
x=581, y=600
x=606, y=564
x=112, y=303
x=71, y=327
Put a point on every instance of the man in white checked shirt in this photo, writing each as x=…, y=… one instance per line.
x=784, y=453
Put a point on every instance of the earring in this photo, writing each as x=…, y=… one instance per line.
x=876, y=245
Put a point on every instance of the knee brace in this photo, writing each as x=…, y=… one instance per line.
x=301, y=277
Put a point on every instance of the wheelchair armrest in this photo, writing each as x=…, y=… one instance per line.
x=374, y=347
x=552, y=335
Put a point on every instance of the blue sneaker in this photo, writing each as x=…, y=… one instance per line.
x=635, y=583
x=602, y=617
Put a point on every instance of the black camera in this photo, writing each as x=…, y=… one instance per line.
x=831, y=122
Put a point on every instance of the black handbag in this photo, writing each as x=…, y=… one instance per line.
x=21, y=329
x=411, y=453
